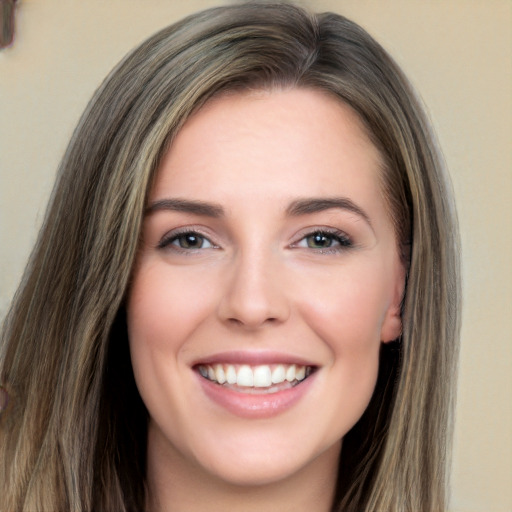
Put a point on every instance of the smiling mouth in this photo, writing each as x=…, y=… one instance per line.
x=256, y=379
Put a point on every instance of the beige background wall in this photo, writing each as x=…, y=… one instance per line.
x=459, y=55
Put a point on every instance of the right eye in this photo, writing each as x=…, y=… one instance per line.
x=189, y=240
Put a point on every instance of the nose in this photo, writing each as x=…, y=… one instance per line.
x=255, y=293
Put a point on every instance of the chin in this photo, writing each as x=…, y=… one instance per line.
x=266, y=463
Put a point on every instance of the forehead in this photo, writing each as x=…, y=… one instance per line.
x=278, y=142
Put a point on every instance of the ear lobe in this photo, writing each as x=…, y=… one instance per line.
x=392, y=325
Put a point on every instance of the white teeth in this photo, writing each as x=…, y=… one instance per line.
x=220, y=376
x=245, y=376
x=262, y=377
x=290, y=373
x=230, y=374
x=300, y=373
x=279, y=374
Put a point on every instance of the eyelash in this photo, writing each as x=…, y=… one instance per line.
x=342, y=241
x=175, y=236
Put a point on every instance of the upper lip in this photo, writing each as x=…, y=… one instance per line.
x=253, y=358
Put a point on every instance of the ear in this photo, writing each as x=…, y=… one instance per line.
x=392, y=324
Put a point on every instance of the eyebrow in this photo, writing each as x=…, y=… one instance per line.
x=314, y=205
x=187, y=206
x=296, y=208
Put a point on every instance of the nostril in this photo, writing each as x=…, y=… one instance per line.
x=246, y=322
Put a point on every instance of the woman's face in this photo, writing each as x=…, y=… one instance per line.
x=267, y=279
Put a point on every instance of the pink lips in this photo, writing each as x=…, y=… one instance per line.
x=253, y=358
x=254, y=406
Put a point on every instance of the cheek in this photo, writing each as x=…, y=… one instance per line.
x=163, y=307
x=347, y=309
x=163, y=311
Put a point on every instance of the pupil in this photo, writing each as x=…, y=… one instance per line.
x=320, y=240
x=191, y=241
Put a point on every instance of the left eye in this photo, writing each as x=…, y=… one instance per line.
x=189, y=240
x=324, y=240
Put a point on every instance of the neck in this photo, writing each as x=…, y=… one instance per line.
x=177, y=485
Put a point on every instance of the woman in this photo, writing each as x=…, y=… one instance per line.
x=158, y=275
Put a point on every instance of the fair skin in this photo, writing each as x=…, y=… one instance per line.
x=267, y=249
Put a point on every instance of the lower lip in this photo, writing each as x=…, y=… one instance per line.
x=255, y=406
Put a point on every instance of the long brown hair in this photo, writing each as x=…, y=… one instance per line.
x=74, y=436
